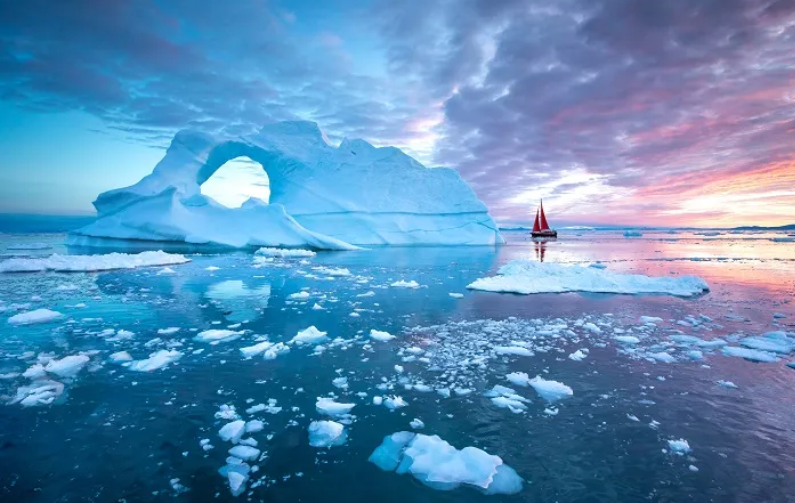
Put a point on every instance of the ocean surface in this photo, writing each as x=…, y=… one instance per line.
x=120, y=435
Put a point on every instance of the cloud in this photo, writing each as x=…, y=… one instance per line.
x=650, y=97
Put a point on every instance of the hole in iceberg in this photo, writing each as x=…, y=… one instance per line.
x=236, y=181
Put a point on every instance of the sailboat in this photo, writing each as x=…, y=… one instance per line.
x=541, y=227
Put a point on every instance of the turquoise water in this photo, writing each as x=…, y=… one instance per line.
x=117, y=435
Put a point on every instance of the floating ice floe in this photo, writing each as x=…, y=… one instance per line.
x=750, y=354
x=68, y=366
x=168, y=331
x=38, y=393
x=217, y=336
x=417, y=424
x=244, y=452
x=121, y=357
x=331, y=408
x=507, y=398
x=83, y=263
x=513, y=350
x=35, y=316
x=680, y=446
x=299, y=295
x=551, y=391
x=578, y=355
x=309, y=335
x=381, y=336
x=326, y=434
x=156, y=360
x=456, y=295
x=269, y=350
x=405, y=284
x=285, y=252
x=332, y=271
x=775, y=342
x=530, y=277
x=232, y=432
x=441, y=466
x=394, y=402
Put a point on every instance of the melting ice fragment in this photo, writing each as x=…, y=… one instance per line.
x=441, y=466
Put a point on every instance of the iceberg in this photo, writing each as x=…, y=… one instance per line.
x=439, y=465
x=87, y=263
x=322, y=197
x=529, y=277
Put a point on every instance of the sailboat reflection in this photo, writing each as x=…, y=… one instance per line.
x=541, y=248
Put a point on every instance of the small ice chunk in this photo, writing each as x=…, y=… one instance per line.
x=513, y=350
x=168, y=331
x=285, y=253
x=456, y=295
x=650, y=319
x=394, y=402
x=627, y=339
x=245, y=452
x=727, y=384
x=326, y=434
x=215, y=336
x=309, y=335
x=417, y=424
x=577, y=356
x=232, y=432
x=679, y=446
x=121, y=357
x=405, y=284
x=299, y=295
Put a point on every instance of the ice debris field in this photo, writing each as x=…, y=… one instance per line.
x=290, y=367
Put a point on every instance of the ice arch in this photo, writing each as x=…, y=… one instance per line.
x=321, y=196
x=236, y=181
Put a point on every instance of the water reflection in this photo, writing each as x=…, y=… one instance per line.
x=237, y=301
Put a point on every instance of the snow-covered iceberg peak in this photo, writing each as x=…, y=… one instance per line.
x=322, y=196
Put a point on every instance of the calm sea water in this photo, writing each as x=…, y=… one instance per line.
x=118, y=435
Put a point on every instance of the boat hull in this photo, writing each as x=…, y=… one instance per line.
x=544, y=234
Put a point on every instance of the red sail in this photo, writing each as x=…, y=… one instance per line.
x=536, y=226
x=544, y=224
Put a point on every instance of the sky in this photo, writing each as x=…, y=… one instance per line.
x=616, y=112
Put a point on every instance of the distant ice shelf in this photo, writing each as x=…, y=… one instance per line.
x=529, y=277
x=322, y=197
